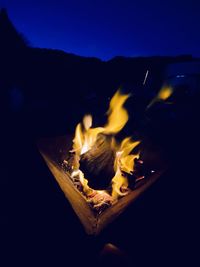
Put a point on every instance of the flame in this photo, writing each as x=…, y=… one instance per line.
x=124, y=162
x=78, y=139
x=117, y=114
x=127, y=159
x=164, y=93
x=86, y=189
x=86, y=136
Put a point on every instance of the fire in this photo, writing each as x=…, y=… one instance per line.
x=86, y=137
x=124, y=162
x=117, y=114
x=164, y=93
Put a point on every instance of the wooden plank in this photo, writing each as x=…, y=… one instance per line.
x=114, y=211
x=75, y=198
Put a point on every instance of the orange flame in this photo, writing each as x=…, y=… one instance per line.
x=85, y=138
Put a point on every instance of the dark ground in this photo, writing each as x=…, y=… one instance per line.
x=38, y=226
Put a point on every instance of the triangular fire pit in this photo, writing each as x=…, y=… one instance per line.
x=53, y=151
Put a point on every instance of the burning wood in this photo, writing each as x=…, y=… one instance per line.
x=100, y=166
x=98, y=162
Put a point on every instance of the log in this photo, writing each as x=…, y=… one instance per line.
x=98, y=163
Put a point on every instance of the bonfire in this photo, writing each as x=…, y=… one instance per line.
x=100, y=173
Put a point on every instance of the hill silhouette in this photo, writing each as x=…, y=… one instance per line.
x=44, y=83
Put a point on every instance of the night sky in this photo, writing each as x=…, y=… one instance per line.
x=107, y=28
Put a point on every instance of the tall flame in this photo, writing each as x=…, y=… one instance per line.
x=86, y=136
x=117, y=114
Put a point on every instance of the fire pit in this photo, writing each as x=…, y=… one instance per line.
x=99, y=174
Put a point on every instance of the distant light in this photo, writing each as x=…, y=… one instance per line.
x=180, y=76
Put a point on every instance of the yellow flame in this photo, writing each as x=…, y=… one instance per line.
x=165, y=93
x=117, y=118
x=86, y=189
x=125, y=159
x=85, y=138
x=124, y=162
x=119, y=182
x=78, y=139
x=117, y=114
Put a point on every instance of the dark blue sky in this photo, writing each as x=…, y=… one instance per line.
x=106, y=28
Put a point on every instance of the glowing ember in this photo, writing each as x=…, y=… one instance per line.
x=124, y=160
